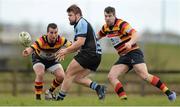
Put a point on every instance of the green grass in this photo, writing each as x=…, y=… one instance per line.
x=89, y=100
x=157, y=56
x=162, y=56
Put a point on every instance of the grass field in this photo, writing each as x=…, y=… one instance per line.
x=89, y=100
x=26, y=83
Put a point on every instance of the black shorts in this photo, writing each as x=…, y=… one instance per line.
x=89, y=60
x=47, y=63
x=133, y=57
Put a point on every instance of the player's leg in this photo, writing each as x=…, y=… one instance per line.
x=90, y=61
x=82, y=79
x=73, y=69
x=39, y=70
x=113, y=75
x=58, y=72
x=141, y=70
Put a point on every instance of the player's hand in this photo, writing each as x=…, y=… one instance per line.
x=61, y=58
x=25, y=53
x=127, y=47
x=61, y=54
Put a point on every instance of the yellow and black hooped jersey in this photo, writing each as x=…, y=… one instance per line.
x=119, y=34
x=47, y=51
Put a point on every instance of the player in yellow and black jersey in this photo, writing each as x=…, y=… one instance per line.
x=124, y=38
x=119, y=34
x=46, y=50
x=43, y=52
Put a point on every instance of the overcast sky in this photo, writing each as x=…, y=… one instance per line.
x=141, y=14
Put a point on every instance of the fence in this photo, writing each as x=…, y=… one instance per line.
x=19, y=82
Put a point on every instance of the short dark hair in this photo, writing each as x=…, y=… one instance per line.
x=110, y=9
x=51, y=25
x=75, y=9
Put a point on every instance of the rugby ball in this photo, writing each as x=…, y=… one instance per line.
x=25, y=39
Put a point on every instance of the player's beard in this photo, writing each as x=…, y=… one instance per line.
x=72, y=23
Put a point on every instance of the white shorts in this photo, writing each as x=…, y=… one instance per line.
x=51, y=69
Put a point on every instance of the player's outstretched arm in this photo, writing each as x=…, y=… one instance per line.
x=73, y=48
x=26, y=52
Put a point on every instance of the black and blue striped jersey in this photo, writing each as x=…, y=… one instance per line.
x=83, y=29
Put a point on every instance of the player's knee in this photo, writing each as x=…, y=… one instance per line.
x=68, y=76
x=111, y=77
x=39, y=72
x=77, y=80
x=60, y=78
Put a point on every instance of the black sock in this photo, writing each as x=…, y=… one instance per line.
x=38, y=97
x=168, y=92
